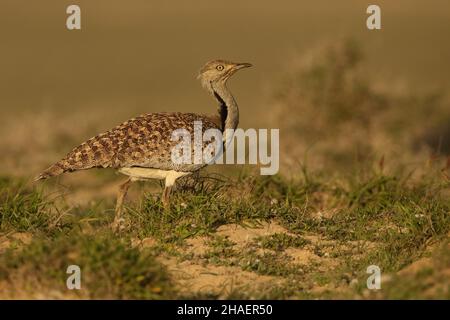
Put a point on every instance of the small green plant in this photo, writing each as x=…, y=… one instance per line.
x=281, y=241
x=220, y=248
x=268, y=263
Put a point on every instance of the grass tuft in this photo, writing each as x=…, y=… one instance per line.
x=109, y=268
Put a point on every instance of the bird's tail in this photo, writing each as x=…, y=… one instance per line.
x=52, y=171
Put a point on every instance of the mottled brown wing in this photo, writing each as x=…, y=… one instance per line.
x=144, y=141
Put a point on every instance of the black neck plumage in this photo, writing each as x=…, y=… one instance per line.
x=223, y=109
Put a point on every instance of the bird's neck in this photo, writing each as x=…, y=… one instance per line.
x=228, y=108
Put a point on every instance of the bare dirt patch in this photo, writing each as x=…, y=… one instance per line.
x=243, y=235
x=198, y=245
x=16, y=239
x=196, y=275
x=302, y=256
x=221, y=281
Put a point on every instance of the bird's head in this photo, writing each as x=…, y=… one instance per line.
x=218, y=72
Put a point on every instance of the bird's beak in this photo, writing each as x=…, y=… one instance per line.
x=242, y=65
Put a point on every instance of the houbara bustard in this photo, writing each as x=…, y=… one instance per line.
x=141, y=147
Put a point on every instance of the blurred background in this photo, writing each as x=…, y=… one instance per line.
x=339, y=92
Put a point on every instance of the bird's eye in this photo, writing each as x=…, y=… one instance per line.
x=219, y=67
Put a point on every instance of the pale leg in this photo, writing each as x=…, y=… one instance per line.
x=123, y=189
x=170, y=176
x=170, y=180
x=166, y=196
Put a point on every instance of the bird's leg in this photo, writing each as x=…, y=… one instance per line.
x=123, y=189
x=169, y=183
x=166, y=196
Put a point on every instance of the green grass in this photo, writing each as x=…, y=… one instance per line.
x=268, y=263
x=26, y=209
x=220, y=248
x=109, y=267
x=387, y=220
x=281, y=241
x=197, y=211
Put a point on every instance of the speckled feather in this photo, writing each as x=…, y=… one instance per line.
x=144, y=141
